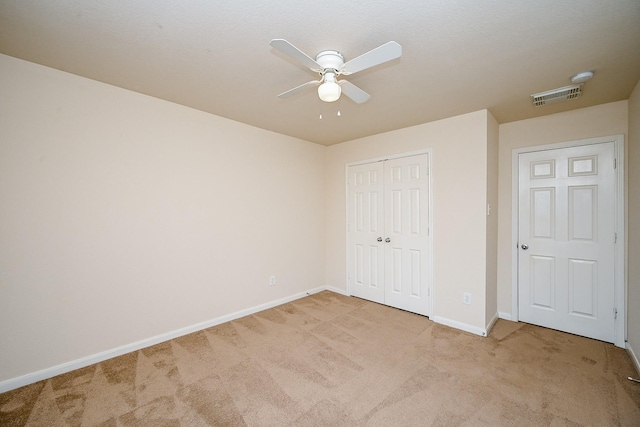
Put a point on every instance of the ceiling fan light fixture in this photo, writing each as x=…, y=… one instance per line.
x=330, y=64
x=329, y=90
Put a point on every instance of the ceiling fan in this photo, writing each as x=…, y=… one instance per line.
x=330, y=64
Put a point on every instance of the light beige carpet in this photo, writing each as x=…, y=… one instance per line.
x=331, y=360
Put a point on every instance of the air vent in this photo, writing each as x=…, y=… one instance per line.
x=557, y=95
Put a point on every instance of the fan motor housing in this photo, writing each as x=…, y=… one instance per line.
x=330, y=59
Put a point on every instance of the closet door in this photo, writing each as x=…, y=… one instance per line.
x=388, y=234
x=406, y=194
x=365, y=232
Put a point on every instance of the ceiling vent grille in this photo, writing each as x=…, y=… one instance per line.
x=557, y=95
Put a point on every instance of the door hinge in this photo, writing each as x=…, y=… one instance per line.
x=615, y=313
x=615, y=163
x=615, y=237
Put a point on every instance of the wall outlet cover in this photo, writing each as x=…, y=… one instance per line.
x=466, y=298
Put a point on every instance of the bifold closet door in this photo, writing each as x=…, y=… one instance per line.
x=406, y=188
x=388, y=234
x=365, y=231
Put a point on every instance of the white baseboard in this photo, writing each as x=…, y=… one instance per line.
x=634, y=357
x=492, y=322
x=63, y=368
x=460, y=325
x=505, y=316
x=336, y=290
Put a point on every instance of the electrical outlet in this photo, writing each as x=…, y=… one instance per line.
x=272, y=280
x=466, y=298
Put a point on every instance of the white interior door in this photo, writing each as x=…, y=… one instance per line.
x=366, y=230
x=406, y=228
x=566, y=239
x=388, y=232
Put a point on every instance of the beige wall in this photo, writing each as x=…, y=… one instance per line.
x=459, y=191
x=602, y=120
x=633, y=231
x=123, y=217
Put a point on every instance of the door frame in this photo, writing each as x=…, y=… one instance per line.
x=429, y=154
x=620, y=287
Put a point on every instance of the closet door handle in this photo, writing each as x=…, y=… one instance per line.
x=379, y=239
x=387, y=240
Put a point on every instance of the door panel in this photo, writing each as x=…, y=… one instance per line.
x=583, y=287
x=543, y=212
x=543, y=282
x=583, y=203
x=567, y=221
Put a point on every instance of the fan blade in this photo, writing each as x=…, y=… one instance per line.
x=354, y=92
x=298, y=89
x=381, y=54
x=295, y=53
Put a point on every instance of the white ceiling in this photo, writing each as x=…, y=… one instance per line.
x=458, y=56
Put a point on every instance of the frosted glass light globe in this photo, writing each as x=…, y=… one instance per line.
x=329, y=91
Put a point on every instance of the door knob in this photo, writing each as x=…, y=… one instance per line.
x=379, y=239
x=524, y=246
x=387, y=240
